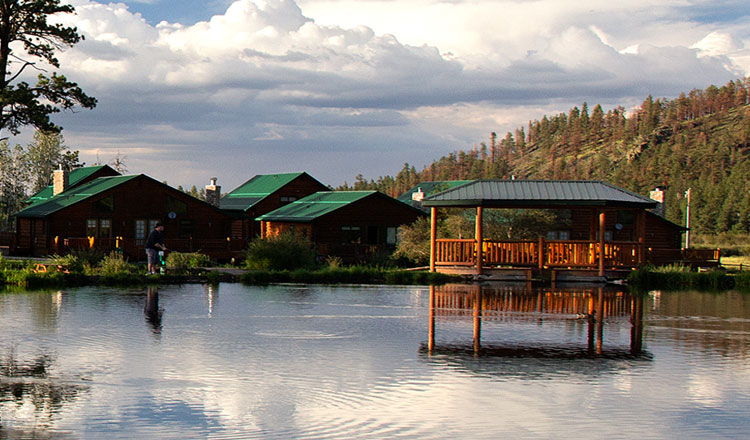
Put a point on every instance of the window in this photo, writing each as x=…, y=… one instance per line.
x=151, y=225
x=351, y=234
x=91, y=227
x=558, y=235
x=99, y=228
x=391, y=235
x=140, y=229
x=287, y=199
x=105, y=228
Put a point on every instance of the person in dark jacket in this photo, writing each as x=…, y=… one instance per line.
x=154, y=243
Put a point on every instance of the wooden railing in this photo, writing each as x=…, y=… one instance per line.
x=459, y=252
x=134, y=247
x=564, y=253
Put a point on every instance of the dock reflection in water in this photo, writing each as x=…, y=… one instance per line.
x=595, y=306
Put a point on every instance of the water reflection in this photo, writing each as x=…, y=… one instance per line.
x=152, y=311
x=503, y=303
x=30, y=393
x=211, y=291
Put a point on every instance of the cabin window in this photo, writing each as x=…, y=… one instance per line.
x=391, y=235
x=152, y=224
x=99, y=228
x=351, y=234
x=558, y=235
x=105, y=205
x=105, y=228
x=287, y=199
x=140, y=229
x=91, y=227
x=607, y=235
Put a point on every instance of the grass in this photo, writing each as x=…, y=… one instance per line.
x=346, y=275
x=679, y=279
x=736, y=262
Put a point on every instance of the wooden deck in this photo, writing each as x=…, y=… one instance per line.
x=565, y=254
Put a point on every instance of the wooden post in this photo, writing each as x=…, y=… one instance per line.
x=541, y=252
x=636, y=331
x=431, y=328
x=600, y=322
x=641, y=235
x=479, y=241
x=477, y=319
x=602, y=225
x=262, y=230
x=433, y=232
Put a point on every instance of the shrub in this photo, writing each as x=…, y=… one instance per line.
x=113, y=264
x=72, y=262
x=182, y=261
x=333, y=262
x=285, y=252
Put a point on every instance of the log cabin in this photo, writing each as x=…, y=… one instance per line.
x=118, y=212
x=263, y=194
x=352, y=225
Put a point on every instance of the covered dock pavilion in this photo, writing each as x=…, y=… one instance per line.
x=595, y=254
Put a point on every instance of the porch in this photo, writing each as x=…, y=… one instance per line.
x=566, y=254
x=217, y=249
x=597, y=256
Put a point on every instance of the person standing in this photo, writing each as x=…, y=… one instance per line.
x=154, y=243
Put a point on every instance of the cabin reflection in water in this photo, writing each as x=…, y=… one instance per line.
x=595, y=306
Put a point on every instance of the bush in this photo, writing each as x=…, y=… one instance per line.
x=72, y=262
x=113, y=264
x=182, y=261
x=285, y=252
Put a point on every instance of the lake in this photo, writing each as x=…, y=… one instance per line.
x=292, y=361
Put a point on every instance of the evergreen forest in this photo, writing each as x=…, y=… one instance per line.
x=698, y=141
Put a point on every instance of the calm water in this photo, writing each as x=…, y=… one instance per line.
x=362, y=362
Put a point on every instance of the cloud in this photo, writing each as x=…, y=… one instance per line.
x=284, y=86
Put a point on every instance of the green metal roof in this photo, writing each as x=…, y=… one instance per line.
x=75, y=176
x=255, y=190
x=315, y=205
x=430, y=188
x=538, y=194
x=74, y=195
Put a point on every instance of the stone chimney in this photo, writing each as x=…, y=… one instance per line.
x=658, y=195
x=418, y=195
x=59, y=181
x=213, y=192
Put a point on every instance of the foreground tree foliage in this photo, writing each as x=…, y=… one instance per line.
x=23, y=24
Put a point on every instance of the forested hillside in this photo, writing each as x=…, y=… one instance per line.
x=700, y=140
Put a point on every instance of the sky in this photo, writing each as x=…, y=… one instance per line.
x=188, y=89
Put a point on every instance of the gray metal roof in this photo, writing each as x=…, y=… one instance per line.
x=538, y=194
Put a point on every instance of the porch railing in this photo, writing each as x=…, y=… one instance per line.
x=133, y=247
x=564, y=253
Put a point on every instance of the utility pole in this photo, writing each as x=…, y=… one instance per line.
x=687, y=218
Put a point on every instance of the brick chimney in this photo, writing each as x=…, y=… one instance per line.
x=658, y=195
x=59, y=181
x=213, y=192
